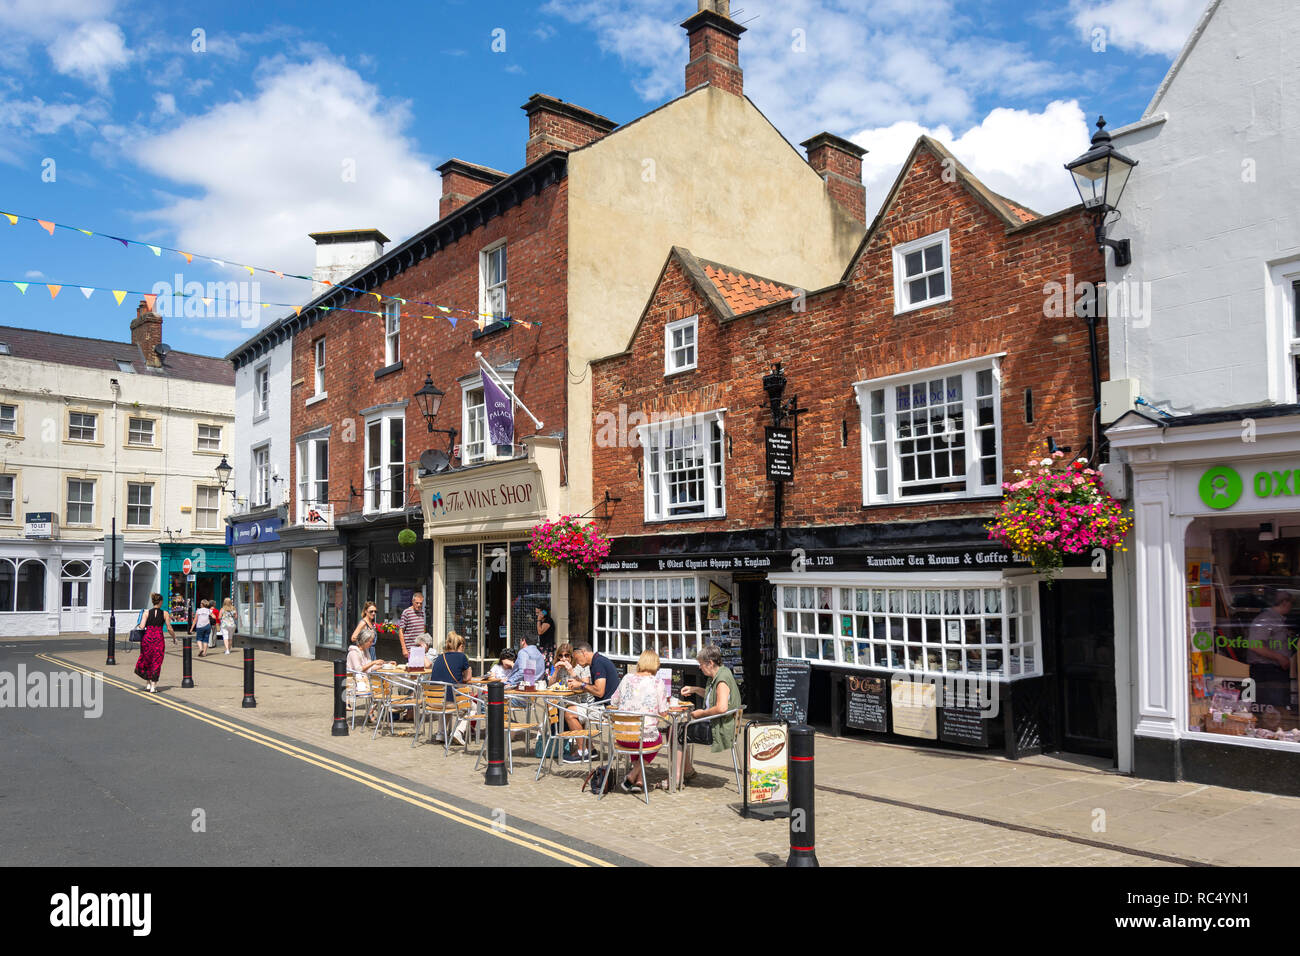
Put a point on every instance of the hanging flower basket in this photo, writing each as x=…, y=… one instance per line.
x=406, y=538
x=568, y=541
x=1049, y=513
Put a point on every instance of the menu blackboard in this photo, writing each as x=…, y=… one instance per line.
x=963, y=725
x=867, y=709
x=790, y=691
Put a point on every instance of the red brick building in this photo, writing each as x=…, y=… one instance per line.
x=938, y=364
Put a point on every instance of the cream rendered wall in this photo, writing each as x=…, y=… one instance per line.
x=47, y=391
x=708, y=172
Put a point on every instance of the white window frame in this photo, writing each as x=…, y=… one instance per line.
x=8, y=496
x=492, y=296
x=883, y=455
x=201, y=439
x=657, y=487
x=474, y=446
x=139, y=504
x=636, y=618
x=214, y=498
x=901, y=279
x=262, y=390
x=942, y=626
x=392, y=332
x=8, y=423
x=131, y=429
x=671, y=364
x=260, y=480
x=311, y=486
x=94, y=426
x=379, y=477
x=318, y=352
x=68, y=502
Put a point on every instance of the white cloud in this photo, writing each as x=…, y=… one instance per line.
x=34, y=115
x=1017, y=153
x=260, y=173
x=91, y=51
x=164, y=103
x=1141, y=26
x=33, y=274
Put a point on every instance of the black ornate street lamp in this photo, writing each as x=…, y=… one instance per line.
x=430, y=398
x=1100, y=176
x=223, y=477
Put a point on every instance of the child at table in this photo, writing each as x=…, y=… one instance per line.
x=504, y=665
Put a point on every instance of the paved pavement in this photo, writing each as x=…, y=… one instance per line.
x=877, y=804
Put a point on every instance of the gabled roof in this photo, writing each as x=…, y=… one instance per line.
x=104, y=354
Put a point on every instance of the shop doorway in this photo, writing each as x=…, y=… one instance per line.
x=1079, y=631
x=74, y=608
x=754, y=600
x=492, y=593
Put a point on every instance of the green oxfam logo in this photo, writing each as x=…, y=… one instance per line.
x=1220, y=488
x=1202, y=640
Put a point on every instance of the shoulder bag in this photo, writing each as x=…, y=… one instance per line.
x=137, y=632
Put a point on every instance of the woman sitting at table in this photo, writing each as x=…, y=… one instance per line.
x=452, y=667
x=359, y=663
x=641, y=693
x=720, y=695
x=504, y=665
x=564, y=669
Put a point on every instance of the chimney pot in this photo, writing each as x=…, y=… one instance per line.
x=839, y=162
x=146, y=332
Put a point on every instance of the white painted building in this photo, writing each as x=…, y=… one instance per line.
x=1213, y=449
x=91, y=429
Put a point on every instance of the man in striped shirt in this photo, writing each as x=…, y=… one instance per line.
x=411, y=623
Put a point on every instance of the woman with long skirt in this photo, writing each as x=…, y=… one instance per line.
x=149, y=664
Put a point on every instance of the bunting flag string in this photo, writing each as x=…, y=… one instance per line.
x=482, y=321
x=480, y=318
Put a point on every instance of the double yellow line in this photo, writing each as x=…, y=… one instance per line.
x=549, y=848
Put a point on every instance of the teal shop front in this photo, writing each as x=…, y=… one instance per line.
x=212, y=567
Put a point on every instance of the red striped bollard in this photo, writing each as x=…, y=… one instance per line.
x=803, y=841
x=340, y=726
x=187, y=664
x=249, y=699
x=495, y=775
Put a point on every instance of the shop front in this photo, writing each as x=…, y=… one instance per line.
x=382, y=569
x=317, y=597
x=485, y=585
x=1215, y=606
x=209, y=578
x=261, y=580
x=919, y=631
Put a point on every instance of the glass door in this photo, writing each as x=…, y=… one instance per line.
x=496, y=598
x=74, y=609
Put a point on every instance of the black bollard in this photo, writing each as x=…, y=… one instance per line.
x=495, y=775
x=803, y=841
x=340, y=726
x=187, y=676
x=112, y=644
x=249, y=700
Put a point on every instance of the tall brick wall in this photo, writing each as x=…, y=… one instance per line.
x=536, y=233
x=848, y=334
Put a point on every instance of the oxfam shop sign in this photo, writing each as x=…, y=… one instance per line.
x=1223, y=486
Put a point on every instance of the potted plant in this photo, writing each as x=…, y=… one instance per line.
x=1049, y=512
x=571, y=542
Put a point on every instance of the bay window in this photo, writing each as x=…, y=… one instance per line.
x=684, y=468
x=931, y=435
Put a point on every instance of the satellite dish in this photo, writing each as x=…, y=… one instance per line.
x=161, y=350
x=433, y=461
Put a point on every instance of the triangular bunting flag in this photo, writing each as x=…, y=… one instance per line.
x=378, y=297
x=86, y=232
x=443, y=308
x=250, y=269
x=47, y=226
x=280, y=274
x=326, y=282
x=13, y=220
x=149, y=300
x=156, y=250
x=87, y=291
x=54, y=290
x=188, y=256
x=206, y=301
x=452, y=320
x=21, y=287
x=218, y=262
x=298, y=309
x=125, y=244
x=119, y=295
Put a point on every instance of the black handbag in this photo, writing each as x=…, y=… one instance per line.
x=701, y=733
x=137, y=632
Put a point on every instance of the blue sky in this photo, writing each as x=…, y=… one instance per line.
x=296, y=117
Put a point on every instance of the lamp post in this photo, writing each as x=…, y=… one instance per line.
x=429, y=398
x=774, y=383
x=1100, y=176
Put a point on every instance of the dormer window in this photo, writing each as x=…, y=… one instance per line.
x=680, y=341
x=921, y=273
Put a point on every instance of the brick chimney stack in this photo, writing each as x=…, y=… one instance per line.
x=462, y=181
x=146, y=332
x=839, y=162
x=340, y=254
x=715, y=48
x=554, y=124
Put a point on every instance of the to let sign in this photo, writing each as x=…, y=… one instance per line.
x=780, y=454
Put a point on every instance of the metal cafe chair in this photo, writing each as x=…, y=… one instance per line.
x=626, y=730
x=555, y=741
x=357, y=694
x=739, y=714
x=435, y=705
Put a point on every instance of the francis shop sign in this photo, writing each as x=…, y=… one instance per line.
x=394, y=561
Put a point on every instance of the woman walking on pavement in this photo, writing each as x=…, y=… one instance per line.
x=149, y=665
x=227, y=621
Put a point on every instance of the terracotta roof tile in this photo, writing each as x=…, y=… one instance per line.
x=744, y=292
